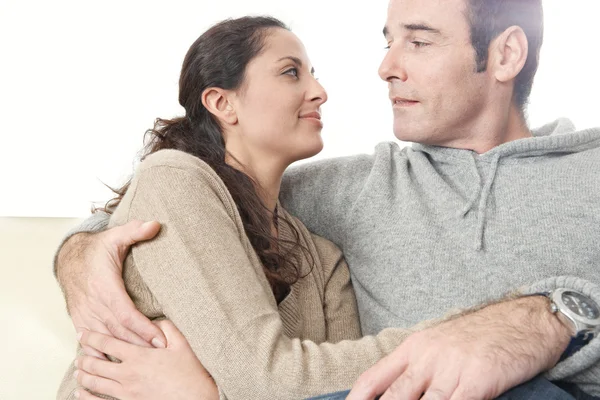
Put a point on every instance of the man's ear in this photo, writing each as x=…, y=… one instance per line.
x=217, y=102
x=508, y=54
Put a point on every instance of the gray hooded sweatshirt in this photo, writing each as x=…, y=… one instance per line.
x=428, y=229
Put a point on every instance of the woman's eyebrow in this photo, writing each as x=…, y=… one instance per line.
x=297, y=61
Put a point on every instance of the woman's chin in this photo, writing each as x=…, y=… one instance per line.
x=307, y=150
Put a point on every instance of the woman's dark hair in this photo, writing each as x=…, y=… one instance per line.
x=489, y=18
x=219, y=58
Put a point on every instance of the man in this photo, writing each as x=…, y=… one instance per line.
x=478, y=207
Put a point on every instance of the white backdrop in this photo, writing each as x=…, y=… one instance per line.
x=81, y=81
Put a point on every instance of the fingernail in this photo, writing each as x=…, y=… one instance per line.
x=75, y=374
x=76, y=394
x=79, y=335
x=158, y=343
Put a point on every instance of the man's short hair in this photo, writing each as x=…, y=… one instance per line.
x=489, y=18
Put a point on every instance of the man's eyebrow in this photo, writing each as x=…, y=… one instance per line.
x=297, y=61
x=420, y=27
x=414, y=27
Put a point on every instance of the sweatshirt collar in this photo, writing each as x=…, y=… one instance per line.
x=557, y=136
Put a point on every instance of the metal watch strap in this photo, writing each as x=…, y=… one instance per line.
x=577, y=342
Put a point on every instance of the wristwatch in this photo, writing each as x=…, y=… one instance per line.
x=578, y=312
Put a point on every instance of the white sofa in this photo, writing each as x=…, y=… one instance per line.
x=37, y=338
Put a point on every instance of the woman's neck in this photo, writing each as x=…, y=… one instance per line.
x=267, y=175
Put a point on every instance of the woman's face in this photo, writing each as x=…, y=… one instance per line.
x=278, y=106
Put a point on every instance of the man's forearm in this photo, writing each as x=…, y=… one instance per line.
x=535, y=326
x=66, y=260
x=529, y=328
x=96, y=222
x=581, y=367
x=482, y=352
x=69, y=251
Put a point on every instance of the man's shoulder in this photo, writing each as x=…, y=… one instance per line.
x=352, y=166
x=575, y=150
x=323, y=247
x=322, y=193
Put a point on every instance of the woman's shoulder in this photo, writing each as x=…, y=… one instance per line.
x=181, y=167
x=176, y=159
x=173, y=177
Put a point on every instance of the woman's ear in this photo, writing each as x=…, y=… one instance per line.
x=217, y=102
x=508, y=54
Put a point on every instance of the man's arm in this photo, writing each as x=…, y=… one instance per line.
x=478, y=355
x=321, y=193
x=583, y=367
x=88, y=266
x=97, y=222
x=458, y=357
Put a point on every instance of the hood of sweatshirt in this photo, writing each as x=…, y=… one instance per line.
x=558, y=137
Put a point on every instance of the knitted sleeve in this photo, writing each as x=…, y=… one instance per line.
x=203, y=273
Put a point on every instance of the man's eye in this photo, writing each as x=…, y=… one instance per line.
x=418, y=44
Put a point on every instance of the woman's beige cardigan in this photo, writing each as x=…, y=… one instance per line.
x=202, y=273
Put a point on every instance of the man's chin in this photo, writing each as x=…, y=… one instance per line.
x=405, y=135
x=414, y=133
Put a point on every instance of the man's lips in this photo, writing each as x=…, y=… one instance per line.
x=402, y=102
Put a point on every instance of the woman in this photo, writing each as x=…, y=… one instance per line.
x=267, y=307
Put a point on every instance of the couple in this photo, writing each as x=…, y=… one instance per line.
x=477, y=208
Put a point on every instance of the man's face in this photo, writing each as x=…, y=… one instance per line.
x=437, y=95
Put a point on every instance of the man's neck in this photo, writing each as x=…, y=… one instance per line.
x=497, y=132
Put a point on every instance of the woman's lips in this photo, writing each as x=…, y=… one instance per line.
x=313, y=117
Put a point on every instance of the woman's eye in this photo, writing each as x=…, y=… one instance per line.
x=292, y=71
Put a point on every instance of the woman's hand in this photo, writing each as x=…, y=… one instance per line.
x=144, y=373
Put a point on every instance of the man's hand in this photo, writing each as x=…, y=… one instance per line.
x=89, y=270
x=476, y=356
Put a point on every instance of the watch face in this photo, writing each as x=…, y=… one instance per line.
x=581, y=305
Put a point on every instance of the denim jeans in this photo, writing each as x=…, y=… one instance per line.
x=536, y=389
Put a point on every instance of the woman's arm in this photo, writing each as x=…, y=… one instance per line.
x=202, y=271
x=150, y=373
x=339, y=301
